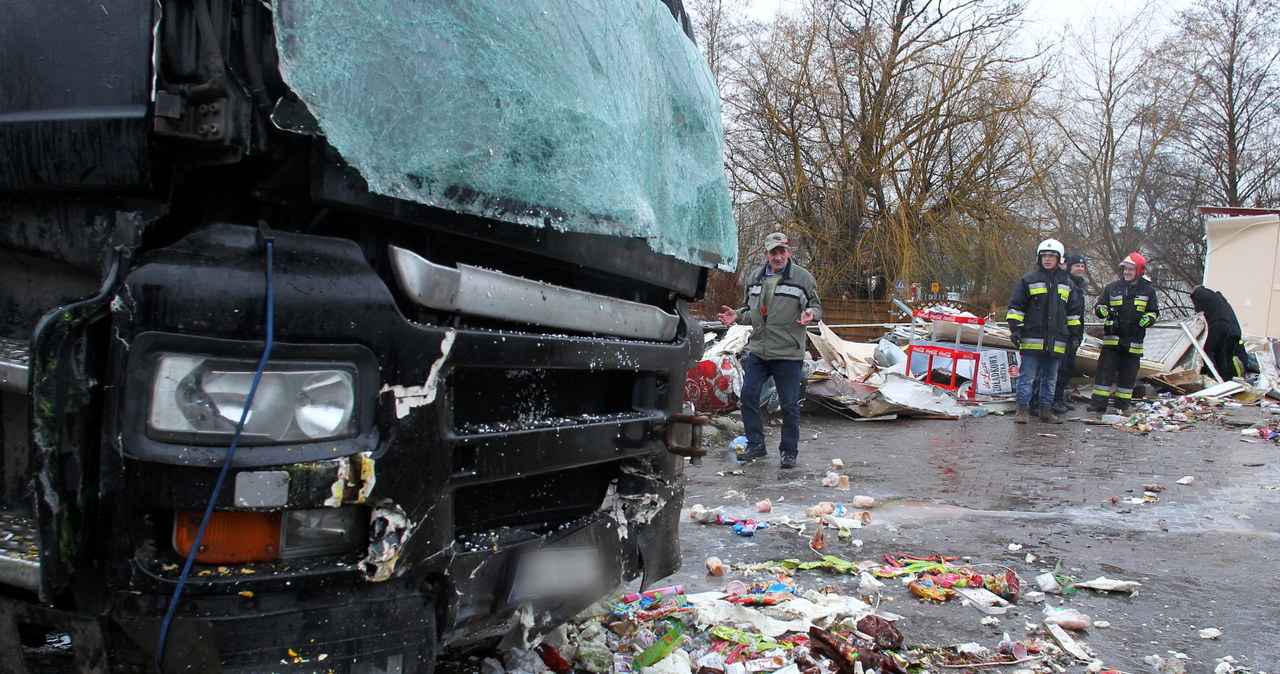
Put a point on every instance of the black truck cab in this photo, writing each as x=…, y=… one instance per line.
x=336, y=337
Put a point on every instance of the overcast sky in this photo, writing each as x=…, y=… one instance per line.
x=1050, y=16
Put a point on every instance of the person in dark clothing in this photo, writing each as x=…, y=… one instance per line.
x=1076, y=269
x=1128, y=307
x=1040, y=326
x=1223, y=344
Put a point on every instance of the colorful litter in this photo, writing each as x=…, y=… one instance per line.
x=777, y=625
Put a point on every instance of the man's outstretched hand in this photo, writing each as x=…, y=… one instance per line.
x=806, y=317
x=728, y=316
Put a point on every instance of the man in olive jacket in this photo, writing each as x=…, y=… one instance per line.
x=781, y=299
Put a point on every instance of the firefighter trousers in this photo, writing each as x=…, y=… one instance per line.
x=1119, y=370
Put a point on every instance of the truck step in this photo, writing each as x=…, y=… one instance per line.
x=19, y=552
x=14, y=359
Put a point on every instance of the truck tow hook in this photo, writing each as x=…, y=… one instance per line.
x=682, y=434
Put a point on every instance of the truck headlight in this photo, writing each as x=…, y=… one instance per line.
x=199, y=399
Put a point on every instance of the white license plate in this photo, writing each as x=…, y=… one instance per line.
x=557, y=572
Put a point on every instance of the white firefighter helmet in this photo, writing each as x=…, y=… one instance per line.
x=1051, y=246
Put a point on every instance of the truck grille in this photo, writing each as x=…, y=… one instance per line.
x=489, y=400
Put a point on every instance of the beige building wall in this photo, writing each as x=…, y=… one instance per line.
x=1244, y=265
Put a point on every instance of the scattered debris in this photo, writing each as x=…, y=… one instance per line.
x=1067, y=643
x=769, y=626
x=984, y=600
x=1067, y=618
x=1105, y=584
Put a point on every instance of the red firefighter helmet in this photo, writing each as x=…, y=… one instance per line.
x=1137, y=261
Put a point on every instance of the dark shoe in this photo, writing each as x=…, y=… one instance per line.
x=1060, y=409
x=1069, y=406
x=1021, y=416
x=788, y=461
x=1047, y=415
x=1095, y=410
x=752, y=453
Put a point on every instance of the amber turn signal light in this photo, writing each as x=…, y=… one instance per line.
x=231, y=537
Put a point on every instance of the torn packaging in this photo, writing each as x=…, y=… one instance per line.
x=883, y=632
x=847, y=657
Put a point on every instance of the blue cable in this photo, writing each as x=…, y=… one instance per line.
x=226, y=466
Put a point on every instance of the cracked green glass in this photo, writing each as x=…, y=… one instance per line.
x=586, y=116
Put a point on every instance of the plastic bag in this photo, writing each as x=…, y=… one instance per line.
x=1067, y=618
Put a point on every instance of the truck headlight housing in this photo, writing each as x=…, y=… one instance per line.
x=199, y=400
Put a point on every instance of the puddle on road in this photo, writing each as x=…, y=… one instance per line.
x=896, y=513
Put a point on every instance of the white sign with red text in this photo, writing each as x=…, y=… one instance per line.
x=996, y=372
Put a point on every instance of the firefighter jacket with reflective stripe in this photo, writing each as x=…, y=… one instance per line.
x=772, y=307
x=1126, y=304
x=1075, y=313
x=1045, y=312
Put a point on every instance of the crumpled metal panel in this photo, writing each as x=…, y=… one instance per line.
x=594, y=116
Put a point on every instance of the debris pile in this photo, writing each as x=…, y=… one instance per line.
x=772, y=626
x=1167, y=414
x=879, y=381
x=770, y=622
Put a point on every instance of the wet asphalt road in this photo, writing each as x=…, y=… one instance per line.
x=1205, y=553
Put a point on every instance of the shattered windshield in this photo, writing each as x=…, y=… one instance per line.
x=593, y=116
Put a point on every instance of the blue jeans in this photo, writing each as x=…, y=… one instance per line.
x=1034, y=364
x=786, y=378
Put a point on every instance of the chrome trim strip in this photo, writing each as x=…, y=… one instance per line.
x=14, y=356
x=19, y=553
x=482, y=292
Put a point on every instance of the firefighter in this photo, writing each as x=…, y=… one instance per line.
x=1127, y=307
x=1076, y=268
x=1044, y=316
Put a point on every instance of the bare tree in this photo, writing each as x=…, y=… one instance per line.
x=1116, y=117
x=883, y=133
x=1230, y=54
x=721, y=29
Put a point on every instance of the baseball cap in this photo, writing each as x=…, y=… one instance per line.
x=776, y=239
